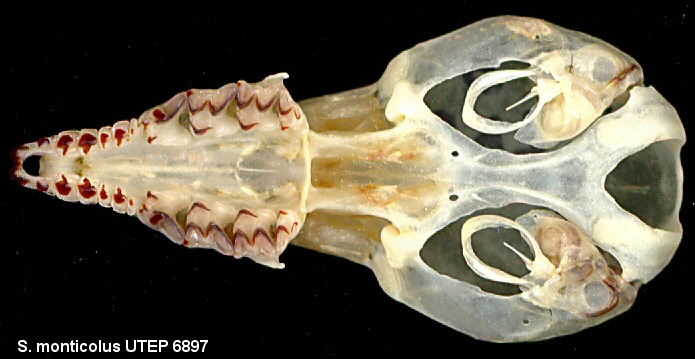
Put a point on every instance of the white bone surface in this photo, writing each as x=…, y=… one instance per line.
x=242, y=169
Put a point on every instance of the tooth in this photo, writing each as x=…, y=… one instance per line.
x=163, y=223
x=242, y=247
x=64, y=187
x=170, y=228
x=88, y=141
x=245, y=221
x=194, y=236
x=162, y=125
x=220, y=98
x=121, y=133
x=209, y=239
x=120, y=200
x=197, y=224
x=245, y=94
x=88, y=191
x=290, y=113
x=262, y=241
x=261, y=233
x=137, y=130
x=145, y=215
x=248, y=118
x=17, y=172
x=133, y=204
x=104, y=195
x=251, y=111
x=222, y=241
x=215, y=121
x=172, y=107
x=165, y=112
x=286, y=228
x=105, y=137
x=265, y=96
x=66, y=142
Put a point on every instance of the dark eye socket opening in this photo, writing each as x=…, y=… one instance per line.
x=443, y=252
x=446, y=101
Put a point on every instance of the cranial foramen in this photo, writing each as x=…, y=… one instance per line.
x=372, y=174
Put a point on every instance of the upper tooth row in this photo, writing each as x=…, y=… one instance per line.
x=259, y=233
x=86, y=141
x=71, y=187
x=250, y=100
x=253, y=102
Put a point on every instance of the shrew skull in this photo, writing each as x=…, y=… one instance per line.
x=374, y=175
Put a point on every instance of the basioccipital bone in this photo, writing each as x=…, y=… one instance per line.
x=374, y=175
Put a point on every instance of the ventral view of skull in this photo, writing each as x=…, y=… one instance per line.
x=500, y=192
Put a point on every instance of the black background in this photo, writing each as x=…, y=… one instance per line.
x=69, y=271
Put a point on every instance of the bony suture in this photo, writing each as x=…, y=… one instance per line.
x=373, y=174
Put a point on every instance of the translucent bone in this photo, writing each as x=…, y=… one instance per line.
x=373, y=175
x=484, y=82
x=540, y=268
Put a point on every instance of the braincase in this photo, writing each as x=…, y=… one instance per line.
x=571, y=82
x=491, y=42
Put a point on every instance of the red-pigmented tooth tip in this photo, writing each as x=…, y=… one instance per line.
x=16, y=175
x=15, y=157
